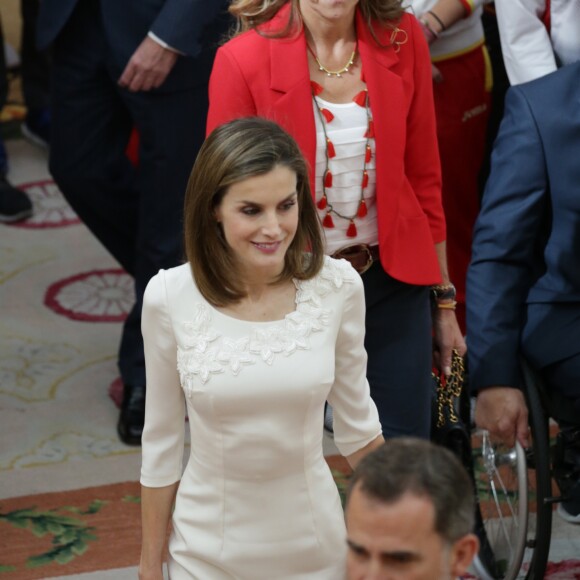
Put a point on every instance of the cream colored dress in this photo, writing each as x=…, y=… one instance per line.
x=257, y=499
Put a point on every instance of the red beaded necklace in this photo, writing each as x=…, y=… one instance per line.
x=326, y=116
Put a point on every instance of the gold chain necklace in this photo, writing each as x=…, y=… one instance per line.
x=334, y=73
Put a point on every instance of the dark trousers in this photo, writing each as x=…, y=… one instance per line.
x=564, y=376
x=34, y=63
x=3, y=96
x=3, y=71
x=34, y=69
x=399, y=347
x=136, y=213
x=551, y=343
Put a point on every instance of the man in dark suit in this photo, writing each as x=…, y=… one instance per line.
x=524, y=279
x=120, y=65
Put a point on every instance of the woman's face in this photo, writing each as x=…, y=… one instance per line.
x=259, y=218
x=328, y=10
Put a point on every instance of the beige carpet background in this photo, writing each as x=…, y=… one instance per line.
x=57, y=422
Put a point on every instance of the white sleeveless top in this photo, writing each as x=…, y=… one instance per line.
x=346, y=131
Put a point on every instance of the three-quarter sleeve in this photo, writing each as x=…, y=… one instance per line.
x=163, y=434
x=356, y=419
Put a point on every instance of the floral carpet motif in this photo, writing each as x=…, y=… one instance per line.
x=64, y=446
x=85, y=530
x=96, y=296
x=566, y=570
x=50, y=208
x=27, y=366
x=68, y=533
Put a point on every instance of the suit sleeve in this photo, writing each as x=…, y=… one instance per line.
x=506, y=251
x=229, y=94
x=356, y=419
x=163, y=434
x=181, y=23
x=525, y=42
x=422, y=164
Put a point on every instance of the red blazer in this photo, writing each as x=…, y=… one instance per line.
x=254, y=75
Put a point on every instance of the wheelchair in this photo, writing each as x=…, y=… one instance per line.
x=514, y=489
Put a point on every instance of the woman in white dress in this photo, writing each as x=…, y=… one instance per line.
x=251, y=337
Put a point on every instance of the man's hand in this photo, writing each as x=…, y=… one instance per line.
x=503, y=412
x=148, y=67
x=446, y=336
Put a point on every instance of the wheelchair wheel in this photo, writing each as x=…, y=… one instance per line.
x=501, y=482
x=514, y=521
x=539, y=460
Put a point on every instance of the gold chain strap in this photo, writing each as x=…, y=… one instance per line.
x=449, y=388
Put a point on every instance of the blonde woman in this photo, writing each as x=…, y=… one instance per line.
x=351, y=81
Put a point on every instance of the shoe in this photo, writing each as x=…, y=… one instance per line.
x=36, y=127
x=328, y=419
x=132, y=417
x=566, y=515
x=15, y=205
x=567, y=474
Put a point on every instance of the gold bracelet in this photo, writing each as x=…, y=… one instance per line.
x=446, y=305
x=442, y=292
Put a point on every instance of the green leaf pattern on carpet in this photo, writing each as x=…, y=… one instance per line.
x=71, y=536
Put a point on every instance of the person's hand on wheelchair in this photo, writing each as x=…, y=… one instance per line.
x=503, y=412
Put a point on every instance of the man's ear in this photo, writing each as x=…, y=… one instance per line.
x=462, y=554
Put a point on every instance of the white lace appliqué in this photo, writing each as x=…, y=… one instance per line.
x=206, y=352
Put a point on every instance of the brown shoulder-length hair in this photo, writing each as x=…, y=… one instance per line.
x=251, y=14
x=423, y=469
x=238, y=150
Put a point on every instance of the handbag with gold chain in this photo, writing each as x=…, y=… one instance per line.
x=450, y=405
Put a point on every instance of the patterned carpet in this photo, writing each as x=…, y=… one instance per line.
x=80, y=531
x=68, y=487
x=62, y=299
x=84, y=530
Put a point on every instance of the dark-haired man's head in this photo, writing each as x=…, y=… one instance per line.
x=409, y=514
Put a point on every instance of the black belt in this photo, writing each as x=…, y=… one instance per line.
x=361, y=256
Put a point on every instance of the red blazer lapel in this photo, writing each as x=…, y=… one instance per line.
x=291, y=93
x=291, y=96
x=389, y=107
